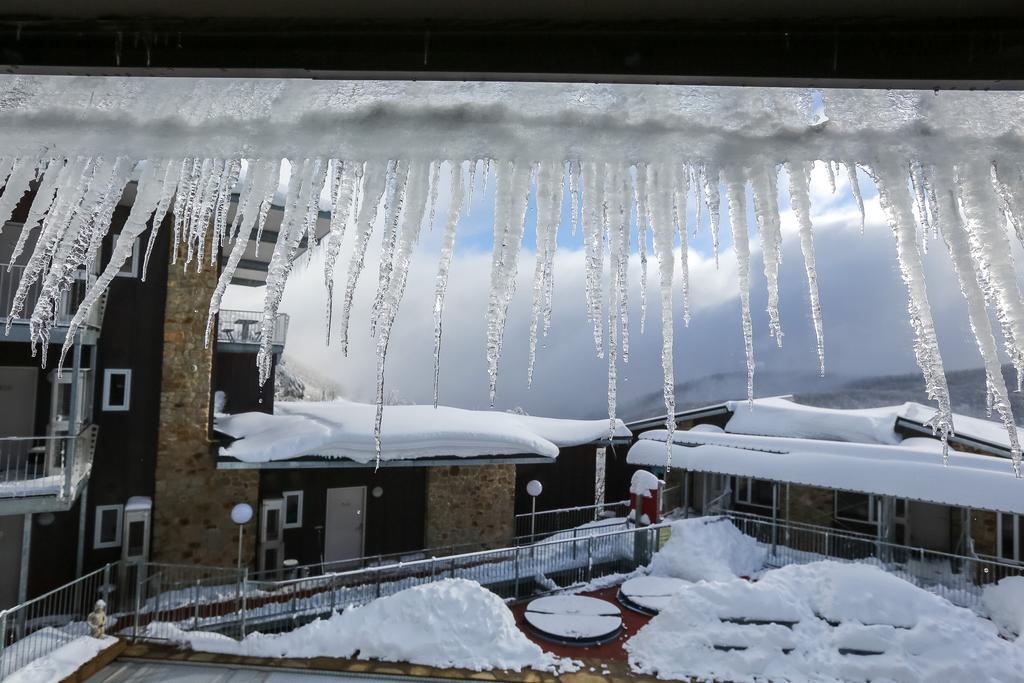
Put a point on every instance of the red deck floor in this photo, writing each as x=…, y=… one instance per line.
x=612, y=651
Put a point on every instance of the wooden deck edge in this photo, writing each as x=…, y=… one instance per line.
x=613, y=671
x=97, y=663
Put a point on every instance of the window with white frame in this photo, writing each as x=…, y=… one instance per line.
x=107, y=532
x=752, y=492
x=855, y=507
x=130, y=268
x=1009, y=537
x=117, y=389
x=292, y=509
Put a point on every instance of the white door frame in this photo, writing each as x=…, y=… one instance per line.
x=268, y=541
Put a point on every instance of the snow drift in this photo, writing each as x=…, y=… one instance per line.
x=451, y=623
x=344, y=429
x=707, y=549
x=826, y=621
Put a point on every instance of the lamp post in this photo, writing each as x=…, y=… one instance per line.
x=534, y=488
x=241, y=514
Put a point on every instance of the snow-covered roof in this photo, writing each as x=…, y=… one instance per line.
x=913, y=469
x=344, y=429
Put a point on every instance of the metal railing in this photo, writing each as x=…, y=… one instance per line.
x=245, y=327
x=10, y=277
x=174, y=599
x=958, y=578
x=39, y=626
x=532, y=526
x=45, y=465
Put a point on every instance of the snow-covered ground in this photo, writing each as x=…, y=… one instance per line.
x=452, y=623
x=56, y=664
x=345, y=429
x=823, y=621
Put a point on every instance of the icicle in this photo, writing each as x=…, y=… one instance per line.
x=991, y=252
x=54, y=176
x=435, y=179
x=697, y=184
x=412, y=221
x=549, y=211
x=663, y=238
x=472, y=183
x=1008, y=180
x=710, y=180
x=347, y=177
x=681, y=186
x=392, y=214
x=199, y=203
x=227, y=183
x=593, y=245
x=851, y=173
x=766, y=209
x=831, y=176
x=374, y=186
x=920, y=201
x=575, y=173
x=616, y=191
x=736, y=192
x=444, y=264
x=891, y=182
x=303, y=178
x=17, y=185
x=958, y=245
x=558, y=196
x=170, y=185
x=262, y=186
x=642, y=223
x=147, y=197
x=622, y=194
x=187, y=178
x=800, y=200
x=511, y=195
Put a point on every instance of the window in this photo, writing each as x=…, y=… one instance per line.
x=292, y=509
x=1009, y=537
x=752, y=492
x=117, y=389
x=108, y=526
x=130, y=268
x=855, y=507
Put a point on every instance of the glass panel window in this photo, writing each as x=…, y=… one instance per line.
x=855, y=507
x=117, y=389
x=273, y=524
x=1009, y=536
x=755, y=492
x=136, y=538
x=292, y=509
x=107, y=532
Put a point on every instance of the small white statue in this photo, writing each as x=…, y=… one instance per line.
x=98, y=619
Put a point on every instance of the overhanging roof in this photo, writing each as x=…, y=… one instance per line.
x=913, y=43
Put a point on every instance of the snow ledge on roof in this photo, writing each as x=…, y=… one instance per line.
x=344, y=429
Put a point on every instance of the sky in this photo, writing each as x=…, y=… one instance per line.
x=866, y=331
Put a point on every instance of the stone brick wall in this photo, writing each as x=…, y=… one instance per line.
x=193, y=500
x=470, y=504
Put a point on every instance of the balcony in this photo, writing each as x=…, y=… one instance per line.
x=10, y=277
x=241, y=331
x=44, y=473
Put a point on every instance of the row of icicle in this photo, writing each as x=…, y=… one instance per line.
x=617, y=207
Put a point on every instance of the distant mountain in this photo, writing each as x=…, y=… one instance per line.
x=966, y=388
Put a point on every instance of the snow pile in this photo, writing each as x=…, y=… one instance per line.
x=780, y=416
x=707, y=549
x=906, y=470
x=825, y=621
x=451, y=623
x=344, y=429
x=1004, y=603
x=61, y=662
x=373, y=153
x=642, y=483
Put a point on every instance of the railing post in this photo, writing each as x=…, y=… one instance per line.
x=245, y=587
x=3, y=639
x=590, y=558
x=138, y=606
x=105, y=590
x=515, y=562
x=195, y=608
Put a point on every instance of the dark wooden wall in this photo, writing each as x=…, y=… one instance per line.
x=568, y=480
x=235, y=374
x=131, y=337
x=394, y=522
